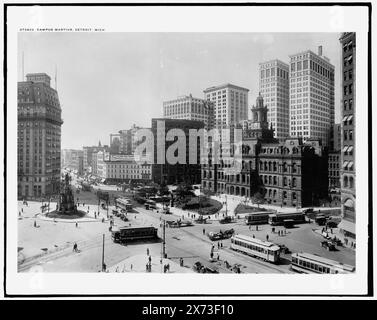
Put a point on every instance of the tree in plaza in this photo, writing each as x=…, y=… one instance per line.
x=257, y=189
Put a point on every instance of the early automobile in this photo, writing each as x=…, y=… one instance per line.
x=226, y=219
x=328, y=245
x=199, y=267
x=201, y=219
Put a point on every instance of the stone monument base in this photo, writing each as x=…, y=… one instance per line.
x=67, y=215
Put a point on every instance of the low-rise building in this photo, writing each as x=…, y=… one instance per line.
x=116, y=168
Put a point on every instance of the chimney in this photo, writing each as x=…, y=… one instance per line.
x=320, y=51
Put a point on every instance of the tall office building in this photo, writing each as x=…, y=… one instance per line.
x=168, y=173
x=190, y=108
x=311, y=97
x=229, y=104
x=347, y=170
x=274, y=87
x=39, y=137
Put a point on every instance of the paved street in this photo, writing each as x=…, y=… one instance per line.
x=51, y=242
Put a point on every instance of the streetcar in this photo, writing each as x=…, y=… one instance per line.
x=123, y=204
x=277, y=219
x=150, y=204
x=255, y=247
x=312, y=263
x=257, y=217
x=123, y=234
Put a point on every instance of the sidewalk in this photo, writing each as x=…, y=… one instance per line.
x=33, y=210
x=137, y=263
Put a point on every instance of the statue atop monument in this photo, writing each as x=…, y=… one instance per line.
x=66, y=203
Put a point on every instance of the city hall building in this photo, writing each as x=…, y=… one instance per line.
x=289, y=173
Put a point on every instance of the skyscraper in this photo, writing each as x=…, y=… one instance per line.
x=229, y=104
x=39, y=137
x=347, y=170
x=164, y=172
x=274, y=87
x=190, y=108
x=311, y=97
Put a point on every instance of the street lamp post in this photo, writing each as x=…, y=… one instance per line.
x=103, y=253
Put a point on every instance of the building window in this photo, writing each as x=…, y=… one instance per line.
x=351, y=183
x=293, y=67
x=345, y=181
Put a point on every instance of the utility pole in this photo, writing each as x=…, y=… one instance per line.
x=226, y=205
x=163, y=240
x=103, y=253
x=23, y=66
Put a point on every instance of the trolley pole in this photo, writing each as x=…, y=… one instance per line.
x=103, y=253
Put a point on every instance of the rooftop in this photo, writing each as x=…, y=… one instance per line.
x=273, y=60
x=323, y=58
x=225, y=86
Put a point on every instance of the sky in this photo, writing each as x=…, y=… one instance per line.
x=109, y=81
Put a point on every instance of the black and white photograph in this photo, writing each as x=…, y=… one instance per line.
x=187, y=153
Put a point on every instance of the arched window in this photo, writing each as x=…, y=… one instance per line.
x=351, y=182
x=345, y=181
x=293, y=182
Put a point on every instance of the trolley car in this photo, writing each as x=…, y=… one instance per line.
x=311, y=263
x=256, y=248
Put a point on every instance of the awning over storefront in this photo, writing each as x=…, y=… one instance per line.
x=347, y=226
